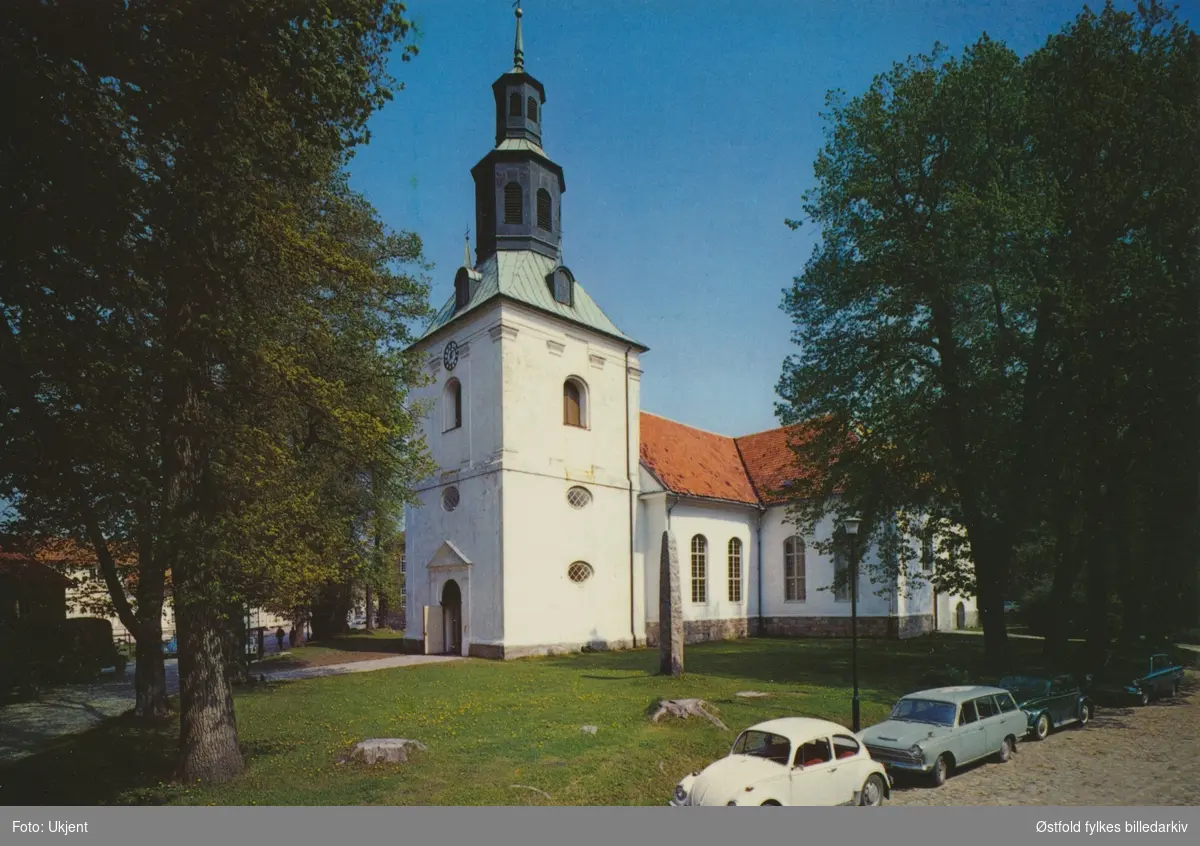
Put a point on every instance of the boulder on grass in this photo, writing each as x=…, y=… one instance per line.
x=386, y=750
x=684, y=708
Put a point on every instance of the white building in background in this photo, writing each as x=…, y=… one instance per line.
x=541, y=531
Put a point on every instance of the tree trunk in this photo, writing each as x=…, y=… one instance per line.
x=383, y=611
x=207, y=728
x=1097, y=591
x=1066, y=573
x=370, y=617
x=150, y=676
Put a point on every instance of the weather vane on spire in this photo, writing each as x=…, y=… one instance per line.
x=518, y=46
x=467, y=249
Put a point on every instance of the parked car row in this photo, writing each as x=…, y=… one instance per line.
x=804, y=761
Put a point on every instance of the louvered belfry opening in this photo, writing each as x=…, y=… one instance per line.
x=512, y=203
x=514, y=105
x=531, y=109
x=544, y=219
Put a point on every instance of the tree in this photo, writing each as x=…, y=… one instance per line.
x=918, y=315
x=167, y=304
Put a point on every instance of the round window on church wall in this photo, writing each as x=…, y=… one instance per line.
x=579, y=572
x=450, y=498
x=579, y=497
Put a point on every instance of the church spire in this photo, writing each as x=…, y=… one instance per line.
x=518, y=44
x=518, y=188
x=467, y=250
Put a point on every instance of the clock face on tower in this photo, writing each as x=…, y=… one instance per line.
x=450, y=355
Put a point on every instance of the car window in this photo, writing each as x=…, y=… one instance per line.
x=924, y=711
x=968, y=714
x=986, y=706
x=1062, y=685
x=1006, y=702
x=814, y=752
x=1027, y=687
x=763, y=744
x=1159, y=662
x=844, y=747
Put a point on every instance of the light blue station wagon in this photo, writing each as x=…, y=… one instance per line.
x=934, y=731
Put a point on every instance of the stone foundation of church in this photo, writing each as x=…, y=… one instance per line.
x=700, y=631
x=894, y=628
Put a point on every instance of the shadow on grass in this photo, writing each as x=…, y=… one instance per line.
x=888, y=666
x=363, y=642
x=120, y=760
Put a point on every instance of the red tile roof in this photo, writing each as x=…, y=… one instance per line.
x=24, y=568
x=771, y=463
x=691, y=462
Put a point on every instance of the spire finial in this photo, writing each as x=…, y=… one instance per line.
x=518, y=45
x=467, y=251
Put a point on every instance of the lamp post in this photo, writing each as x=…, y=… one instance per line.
x=850, y=525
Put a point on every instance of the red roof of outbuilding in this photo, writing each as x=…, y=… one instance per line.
x=24, y=568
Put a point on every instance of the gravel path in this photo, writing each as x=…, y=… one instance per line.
x=1125, y=756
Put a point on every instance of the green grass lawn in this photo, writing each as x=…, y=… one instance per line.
x=492, y=725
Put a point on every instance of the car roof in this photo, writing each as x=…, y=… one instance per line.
x=801, y=727
x=955, y=693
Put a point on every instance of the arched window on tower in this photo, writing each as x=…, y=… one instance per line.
x=514, y=105
x=575, y=403
x=454, y=405
x=513, y=202
x=531, y=109
x=545, y=219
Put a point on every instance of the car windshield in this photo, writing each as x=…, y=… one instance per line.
x=763, y=744
x=1026, y=685
x=924, y=711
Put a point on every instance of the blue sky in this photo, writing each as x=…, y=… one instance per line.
x=687, y=133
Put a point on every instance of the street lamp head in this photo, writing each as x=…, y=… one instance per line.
x=851, y=524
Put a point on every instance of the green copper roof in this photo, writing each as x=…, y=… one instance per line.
x=520, y=275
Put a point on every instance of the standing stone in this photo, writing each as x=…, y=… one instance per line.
x=670, y=610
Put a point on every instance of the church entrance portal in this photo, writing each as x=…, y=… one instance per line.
x=452, y=617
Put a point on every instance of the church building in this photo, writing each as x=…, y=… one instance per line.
x=541, y=530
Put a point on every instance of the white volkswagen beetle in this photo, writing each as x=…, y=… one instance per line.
x=790, y=761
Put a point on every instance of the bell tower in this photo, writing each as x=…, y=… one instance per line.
x=518, y=189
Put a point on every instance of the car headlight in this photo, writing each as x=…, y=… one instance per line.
x=915, y=749
x=680, y=793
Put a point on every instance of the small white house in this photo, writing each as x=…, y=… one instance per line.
x=541, y=531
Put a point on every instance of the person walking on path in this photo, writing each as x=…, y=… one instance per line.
x=279, y=638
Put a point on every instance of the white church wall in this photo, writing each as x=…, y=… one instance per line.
x=717, y=616
x=474, y=529
x=463, y=456
x=543, y=459
x=543, y=536
x=540, y=354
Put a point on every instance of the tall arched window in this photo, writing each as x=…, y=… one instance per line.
x=699, y=569
x=735, y=570
x=513, y=203
x=514, y=104
x=544, y=219
x=795, y=588
x=575, y=403
x=531, y=109
x=454, y=405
